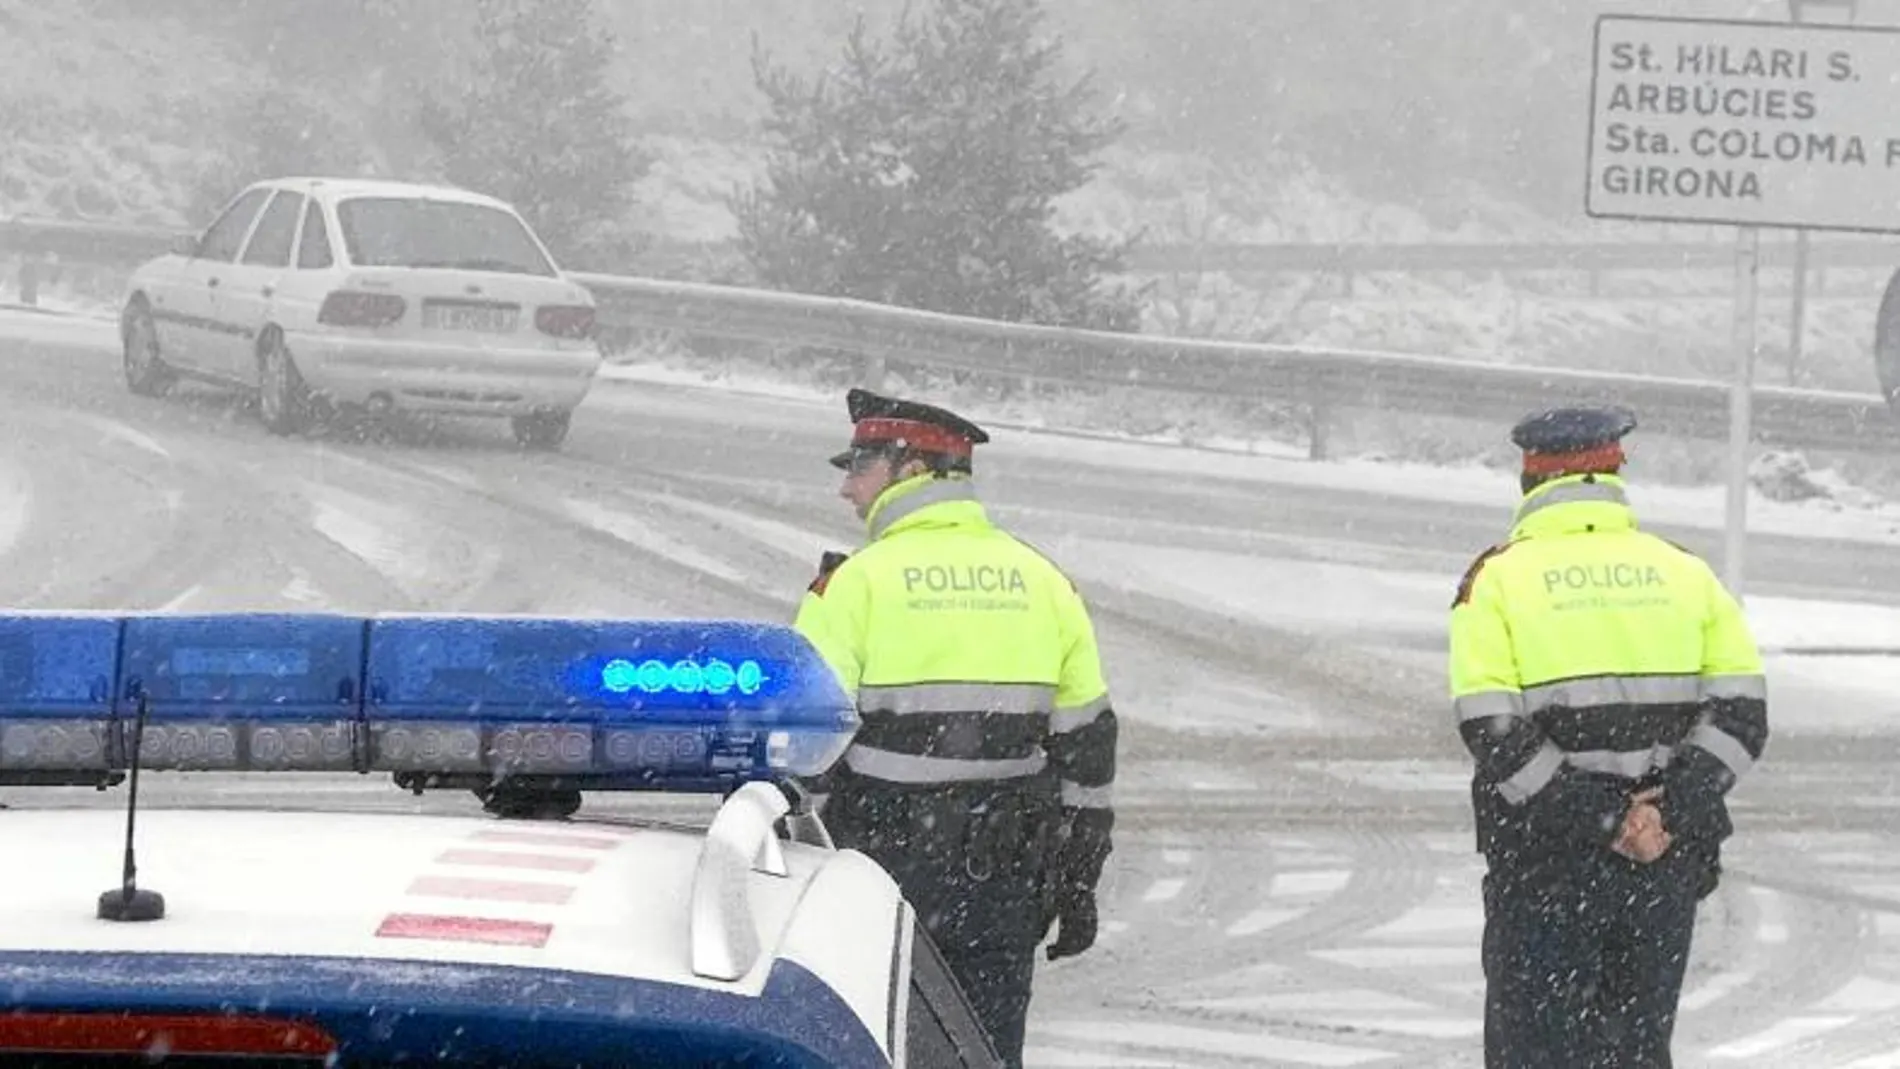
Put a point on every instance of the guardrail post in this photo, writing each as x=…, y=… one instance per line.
x=875, y=369
x=29, y=279
x=1317, y=420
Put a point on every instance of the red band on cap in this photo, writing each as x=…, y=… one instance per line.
x=1602, y=458
x=926, y=437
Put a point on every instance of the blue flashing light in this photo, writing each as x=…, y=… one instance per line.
x=619, y=676
x=650, y=670
x=602, y=703
x=652, y=676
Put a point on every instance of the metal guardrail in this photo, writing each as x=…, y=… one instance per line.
x=1630, y=256
x=1319, y=376
x=1323, y=378
x=36, y=240
x=86, y=242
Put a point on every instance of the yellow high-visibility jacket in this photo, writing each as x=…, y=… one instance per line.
x=1589, y=658
x=971, y=656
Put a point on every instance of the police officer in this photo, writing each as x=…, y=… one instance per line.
x=1611, y=694
x=980, y=775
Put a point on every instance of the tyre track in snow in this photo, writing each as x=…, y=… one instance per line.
x=632, y=528
x=1169, y=954
x=147, y=525
x=1184, y=945
x=618, y=537
x=335, y=523
x=1824, y=960
x=1351, y=689
x=244, y=526
x=1805, y=973
x=1804, y=965
x=1385, y=876
x=1812, y=949
x=79, y=489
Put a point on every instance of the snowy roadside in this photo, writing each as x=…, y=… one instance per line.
x=1862, y=520
x=1267, y=462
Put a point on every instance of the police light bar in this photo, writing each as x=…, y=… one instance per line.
x=600, y=704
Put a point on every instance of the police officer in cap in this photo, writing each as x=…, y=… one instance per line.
x=980, y=776
x=1611, y=695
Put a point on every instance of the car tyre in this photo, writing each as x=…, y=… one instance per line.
x=283, y=401
x=542, y=430
x=146, y=372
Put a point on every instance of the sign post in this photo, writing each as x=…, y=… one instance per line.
x=1748, y=124
x=1741, y=408
x=1798, y=11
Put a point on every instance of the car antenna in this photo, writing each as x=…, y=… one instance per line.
x=128, y=902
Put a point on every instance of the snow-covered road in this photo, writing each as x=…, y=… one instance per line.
x=1294, y=884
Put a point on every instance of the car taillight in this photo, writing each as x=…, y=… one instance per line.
x=354, y=308
x=565, y=320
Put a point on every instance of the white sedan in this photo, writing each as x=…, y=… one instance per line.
x=383, y=296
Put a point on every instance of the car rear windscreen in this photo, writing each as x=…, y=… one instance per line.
x=414, y=232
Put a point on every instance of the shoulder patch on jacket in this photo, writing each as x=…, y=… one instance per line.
x=827, y=564
x=1470, y=578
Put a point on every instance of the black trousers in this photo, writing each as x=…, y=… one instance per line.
x=1584, y=960
x=970, y=861
x=988, y=934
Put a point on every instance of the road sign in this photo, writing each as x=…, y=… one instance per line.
x=1746, y=123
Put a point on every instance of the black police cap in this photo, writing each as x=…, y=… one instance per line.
x=863, y=405
x=867, y=408
x=1573, y=429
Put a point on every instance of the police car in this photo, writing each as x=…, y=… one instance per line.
x=157, y=935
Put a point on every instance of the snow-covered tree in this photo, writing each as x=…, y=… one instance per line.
x=273, y=132
x=922, y=171
x=537, y=121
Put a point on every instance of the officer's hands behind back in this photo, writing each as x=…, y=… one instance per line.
x=1643, y=837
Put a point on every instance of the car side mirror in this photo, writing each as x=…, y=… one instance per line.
x=185, y=245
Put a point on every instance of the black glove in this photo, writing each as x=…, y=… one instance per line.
x=1077, y=918
x=1083, y=846
x=1694, y=805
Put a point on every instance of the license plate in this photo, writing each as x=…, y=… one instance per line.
x=478, y=318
